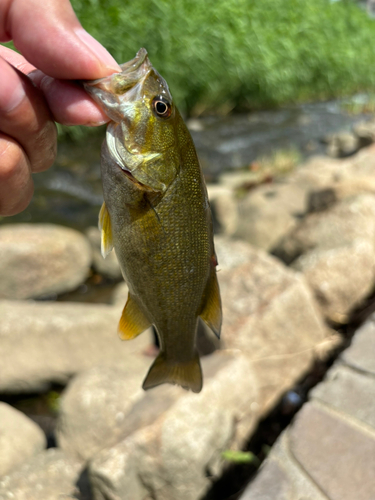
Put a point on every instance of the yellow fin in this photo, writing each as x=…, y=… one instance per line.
x=188, y=375
x=133, y=321
x=106, y=231
x=211, y=311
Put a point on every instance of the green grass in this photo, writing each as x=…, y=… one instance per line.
x=241, y=54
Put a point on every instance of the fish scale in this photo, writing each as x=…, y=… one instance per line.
x=157, y=217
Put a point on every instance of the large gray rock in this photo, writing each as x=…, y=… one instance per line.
x=360, y=354
x=335, y=252
x=50, y=475
x=346, y=178
x=41, y=259
x=44, y=342
x=223, y=207
x=349, y=220
x=269, y=212
x=282, y=478
x=341, y=278
x=340, y=461
x=173, y=456
x=20, y=438
x=267, y=308
x=349, y=392
x=95, y=408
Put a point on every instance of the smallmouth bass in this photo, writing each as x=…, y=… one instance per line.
x=157, y=217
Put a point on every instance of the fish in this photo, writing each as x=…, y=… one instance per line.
x=156, y=215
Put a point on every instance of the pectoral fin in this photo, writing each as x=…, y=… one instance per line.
x=106, y=231
x=188, y=374
x=211, y=310
x=133, y=321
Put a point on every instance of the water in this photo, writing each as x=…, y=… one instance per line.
x=70, y=192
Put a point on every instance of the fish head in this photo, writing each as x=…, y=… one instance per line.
x=142, y=135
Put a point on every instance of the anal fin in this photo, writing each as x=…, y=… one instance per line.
x=211, y=308
x=133, y=321
x=106, y=231
x=187, y=374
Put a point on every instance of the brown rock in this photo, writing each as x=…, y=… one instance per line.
x=50, y=475
x=41, y=259
x=349, y=392
x=342, y=144
x=281, y=475
x=44, y=342
x=20, y=438
x=360, y=355
x=270, y=484
x=340, y=277
x=269, y=212
x=170, y=458
x=223, y=207
x=346, y=221
x=339, y=457
x=95, y=408
x=268, y=310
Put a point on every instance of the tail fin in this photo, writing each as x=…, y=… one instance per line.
x=188, y=375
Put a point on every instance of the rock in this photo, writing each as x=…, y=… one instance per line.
x=321, y=199
x=282, y=478
x=340, y=277
x=41, y=259
x=20, y=438
x=267, y=308
x=50, y=475
x=120, y=295
x=108, y=267
x=365, y=131
x=342, y=144
x=42, y=342
x=358, y=355
x=351, y=219
x=174, y=455
x=269, y=212
x=346, y=178
x=338, y=462
x=335, y=252
x=95, y=408
x=349, y=392
x=223, y=208
x=270, y=484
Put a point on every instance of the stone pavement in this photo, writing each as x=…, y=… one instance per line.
x=328, y=452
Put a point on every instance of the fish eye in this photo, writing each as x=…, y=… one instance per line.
x=162, y=107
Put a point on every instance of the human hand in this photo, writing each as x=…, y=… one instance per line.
x=54, y=48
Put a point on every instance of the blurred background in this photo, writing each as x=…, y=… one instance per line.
x=279, y=97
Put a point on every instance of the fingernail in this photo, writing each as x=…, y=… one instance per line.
x=101, y=53
x=11, y=95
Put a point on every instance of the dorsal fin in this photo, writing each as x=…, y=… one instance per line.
x=106, y=231
x=211, y=306
x=133, y=321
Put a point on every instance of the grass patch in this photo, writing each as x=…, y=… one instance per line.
x=241, y=53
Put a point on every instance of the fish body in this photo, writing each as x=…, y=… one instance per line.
x=157, y=217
